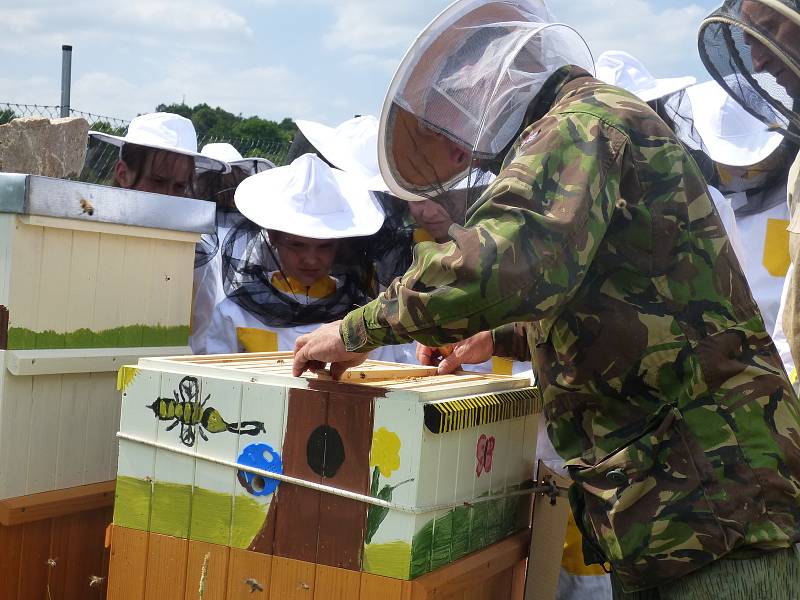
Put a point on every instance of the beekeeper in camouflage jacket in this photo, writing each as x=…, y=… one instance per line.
x=597, y=248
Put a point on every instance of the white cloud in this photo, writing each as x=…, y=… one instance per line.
x=365, y=25
x=663, y=38
x=30, y=90
x=273, y=92
x=196, y=16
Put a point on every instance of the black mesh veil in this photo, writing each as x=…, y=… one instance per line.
x=248, y=261
x=752, y=49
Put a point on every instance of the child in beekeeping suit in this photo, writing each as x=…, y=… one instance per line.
x=292, y=268
x=219, y=188
x=159, y=154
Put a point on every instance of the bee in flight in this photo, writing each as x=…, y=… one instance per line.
x=192, y=415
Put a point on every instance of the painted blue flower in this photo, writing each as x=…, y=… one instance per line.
x=264, y=457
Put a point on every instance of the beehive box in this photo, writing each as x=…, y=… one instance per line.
x=447, y=458
x=91, y=277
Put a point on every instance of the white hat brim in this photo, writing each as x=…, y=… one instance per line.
x=259, y=199
x=324, y=139
x=201, y=161
x=666, y=87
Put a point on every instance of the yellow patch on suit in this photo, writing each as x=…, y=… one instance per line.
x=253, y=339
x=422, y=235
x=319, y=289
x=776, y=247
x=572, y=559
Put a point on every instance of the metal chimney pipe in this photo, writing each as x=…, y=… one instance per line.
x=66, y=78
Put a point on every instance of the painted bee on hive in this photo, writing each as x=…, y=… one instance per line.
x=191, y=414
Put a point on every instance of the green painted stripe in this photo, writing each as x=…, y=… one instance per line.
x=129, y=336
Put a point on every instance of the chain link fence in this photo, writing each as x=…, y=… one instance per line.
x=101, y=157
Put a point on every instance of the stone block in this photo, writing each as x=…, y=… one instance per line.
x=40, y=146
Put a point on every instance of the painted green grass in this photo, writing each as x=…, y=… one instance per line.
x=129, y=336
x=178, y=510
x=447, y=538
x=390, y=560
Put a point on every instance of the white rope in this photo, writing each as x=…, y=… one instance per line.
x=416, y=510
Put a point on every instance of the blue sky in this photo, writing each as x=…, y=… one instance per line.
x=312, y=59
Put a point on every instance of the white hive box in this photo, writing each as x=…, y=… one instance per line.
x=91, y=277
x=452, y=454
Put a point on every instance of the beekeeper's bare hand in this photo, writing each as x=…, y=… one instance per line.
x=471, y=351
x=322, y=346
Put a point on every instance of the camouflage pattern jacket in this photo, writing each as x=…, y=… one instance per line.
x=598, y=247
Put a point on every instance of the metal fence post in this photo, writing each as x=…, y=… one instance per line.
x=66, y=78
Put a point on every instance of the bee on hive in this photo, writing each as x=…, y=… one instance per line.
x=188, y=411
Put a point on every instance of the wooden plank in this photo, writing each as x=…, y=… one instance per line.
x=547, y=540
x=247, y=572
x=342, y=522
x=80, y=360
x=110, y=228
x=206, y=571
x=266, y=404
x=499, y=585
x=518, y=580
x=11, y=553
x=178, y=265
x=82, y=283
x=34, y=569
x=73, y=423
x=136, y=463
x=386, y=373
x=395, y=459
x=173, y=478
x=43, y=442
x=474, y=569
x=56, y=503
x=76, y=547
x=211, y=518
x=135, y=294
x=94, y=582
x=16, y=402
x=297, y=508
x=53, y=284
x=102, y=446
x=336, y=584
x=26, y=271
x=291, y=579
x=375, y=587
x=7, y=225
x=110, y=285
x=128, y=564
x=166, y=568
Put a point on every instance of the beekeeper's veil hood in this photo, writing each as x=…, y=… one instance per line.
x=464, y=87
x=752, y=49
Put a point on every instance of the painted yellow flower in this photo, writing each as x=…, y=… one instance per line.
x=124, y=377
x=385, y=452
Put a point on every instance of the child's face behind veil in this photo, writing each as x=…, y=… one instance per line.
x=306, y=260
x=156, y=171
